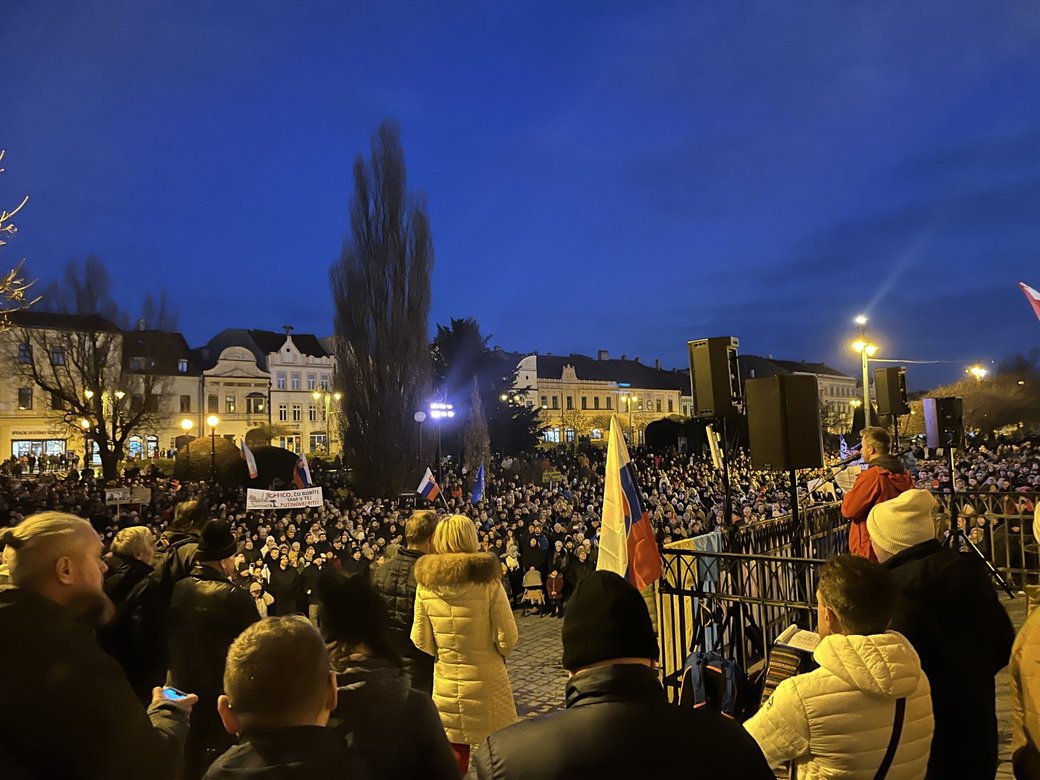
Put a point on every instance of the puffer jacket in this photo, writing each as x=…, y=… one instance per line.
x=463, y=619
x=1025, y=696
x=395, y=582
x=885, y=479
x=836, y=721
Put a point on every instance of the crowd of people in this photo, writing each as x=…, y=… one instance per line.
x=202, y=604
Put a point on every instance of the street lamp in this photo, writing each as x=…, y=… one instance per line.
x=328, y=398
x=85, y=425
x=866, y=351
x=420, y=417
x=438, y=412
x=629, y=400
x=212, y=421
x=978, y=372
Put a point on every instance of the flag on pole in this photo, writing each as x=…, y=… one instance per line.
x=478, y=486
x=428, y=488
x=302, y=473
x=1033, y=296
x=626, y=542
x=247, y=456
x=843, y=450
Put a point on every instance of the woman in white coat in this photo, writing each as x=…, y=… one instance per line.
x=463, y=619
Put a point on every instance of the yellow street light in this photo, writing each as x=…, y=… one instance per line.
x=186, y=424
x=855, y=403
x=119, y=394
x=212, y=421
x=88, y=394
x=84, y=424
x=337, y=395
x=861, y=320
x=978, y=372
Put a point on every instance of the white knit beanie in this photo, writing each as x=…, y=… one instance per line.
x=902, y=522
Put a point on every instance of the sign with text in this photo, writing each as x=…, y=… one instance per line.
x=141, y=495
x=283, y=499
x=117, y=496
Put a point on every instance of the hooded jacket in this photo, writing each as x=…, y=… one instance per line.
x=1025, y=694
x=463, y=619
x=837, y=721
x=885, y=478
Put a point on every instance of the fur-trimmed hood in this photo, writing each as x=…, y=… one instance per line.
x=439, y=569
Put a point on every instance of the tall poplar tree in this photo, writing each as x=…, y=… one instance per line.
x=381, y=293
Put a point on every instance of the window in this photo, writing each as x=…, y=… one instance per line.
x=280, y=381
x=139, y=364
x=213, y=404
x=312, y=381
x=570, y=402
x=545, y=401
x=185, y=403
x=57, y=356
x=324, y=381
x=283, y=412
x=57, y=404
x=25, y=398
x=551, y=435
x=319, y=442
x=658, y=404
x=595, y=434
x=297, y=412
x=25, y=353
x=182, y=366
x=595, y=402
x=584, y=402
x=294, y=380
x=670, y=409
x=256, y=403
x=556, y=403
x=229, y=404
x=312, y=413
x=291, y=443
x=569, y=434
x=610, y=402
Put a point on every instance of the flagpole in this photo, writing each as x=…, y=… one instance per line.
x=444, y=500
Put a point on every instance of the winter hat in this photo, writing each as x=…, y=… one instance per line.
x=606, y=618
x=903, y=521
x=217, y=542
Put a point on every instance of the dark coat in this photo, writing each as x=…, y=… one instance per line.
x=949, y=611
x=294, y=753
x=68, y=710
x=178, y=558
x=618, y=723
x=395, y=729
x=121, y=637
x=284, y=585
x=395, y=582
x=124, y=572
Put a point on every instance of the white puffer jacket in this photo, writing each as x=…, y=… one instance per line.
x=836, y=721
x=463, y=619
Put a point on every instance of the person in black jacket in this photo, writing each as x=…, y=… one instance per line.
x=395, y=582
x=949, y=611
x=279, y=692
x=207, y=612
x=395, y=729
x=68, y=710
x=284, y=584
x=617, y=721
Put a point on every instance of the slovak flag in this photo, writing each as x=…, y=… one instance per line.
x=301, y=476
x=1033, y=296
x=428, y=488
x=626, y=540
x=247, y=456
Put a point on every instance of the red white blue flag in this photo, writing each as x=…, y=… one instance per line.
x=1033, y=296
x=302, y=473
x=247, y=456
x=428, y=488
x=626, y=542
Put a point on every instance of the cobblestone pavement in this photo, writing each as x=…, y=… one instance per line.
x=539, y=680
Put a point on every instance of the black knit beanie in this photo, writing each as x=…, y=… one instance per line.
x=606, y=618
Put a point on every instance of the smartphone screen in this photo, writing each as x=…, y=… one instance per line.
x=172, y=694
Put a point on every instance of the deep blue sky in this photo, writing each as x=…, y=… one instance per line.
x=612, y=175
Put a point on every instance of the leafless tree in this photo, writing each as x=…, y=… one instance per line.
x=14, y=287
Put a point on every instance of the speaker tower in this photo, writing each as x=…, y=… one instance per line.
x=784, y=422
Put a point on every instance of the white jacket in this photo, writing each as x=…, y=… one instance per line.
x=836, y=721
x=463, y=619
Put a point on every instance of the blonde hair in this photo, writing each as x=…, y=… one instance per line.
x=135, y=541
x=41, y=539
x=455, y=534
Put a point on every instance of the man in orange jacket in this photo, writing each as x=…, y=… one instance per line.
x=885, y=477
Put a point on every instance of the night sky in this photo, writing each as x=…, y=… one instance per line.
x=600, y=175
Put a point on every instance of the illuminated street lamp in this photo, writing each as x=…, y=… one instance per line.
x=186, y=425
x=212, y=421
x=85, y=425
x=978, y=372
x=440, y=411
x=328, y=398
x=629, y=400
x=866, y=351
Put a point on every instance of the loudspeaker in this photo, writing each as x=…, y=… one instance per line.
x=890, y=387
x=784, y=422
x=715, y=377
x=944, y=421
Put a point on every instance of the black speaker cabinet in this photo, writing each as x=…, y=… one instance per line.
x=784, y=422
x=715, y=377
x=890, y=387
x=944, y=421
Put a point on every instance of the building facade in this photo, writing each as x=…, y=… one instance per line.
x=838, y=394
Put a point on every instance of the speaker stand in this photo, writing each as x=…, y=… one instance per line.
x=728, y=500
x=895, y=432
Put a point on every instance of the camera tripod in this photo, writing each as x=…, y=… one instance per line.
x=957, y=537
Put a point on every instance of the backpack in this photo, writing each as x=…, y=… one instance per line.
x=710, y=681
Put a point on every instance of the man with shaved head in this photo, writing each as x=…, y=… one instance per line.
x=68, y=710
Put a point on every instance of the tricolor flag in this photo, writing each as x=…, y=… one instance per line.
x=428, y=488
x=626, y=540
x=301, y=476
x=247, y=456
x=1033, y=296
x=843, y=450
x=478, y=486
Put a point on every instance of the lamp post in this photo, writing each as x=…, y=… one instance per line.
x=866, y=351
x=328, y=398
x=212, y=421
x=438, y=412
x=85, y=425
x=186, y=426
x=420, y=417
x=629, y=400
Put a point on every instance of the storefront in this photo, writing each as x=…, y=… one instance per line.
x=36, y=442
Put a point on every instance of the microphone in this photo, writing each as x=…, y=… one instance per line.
x=848, y=461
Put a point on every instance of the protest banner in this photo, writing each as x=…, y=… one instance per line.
x=283, y=499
